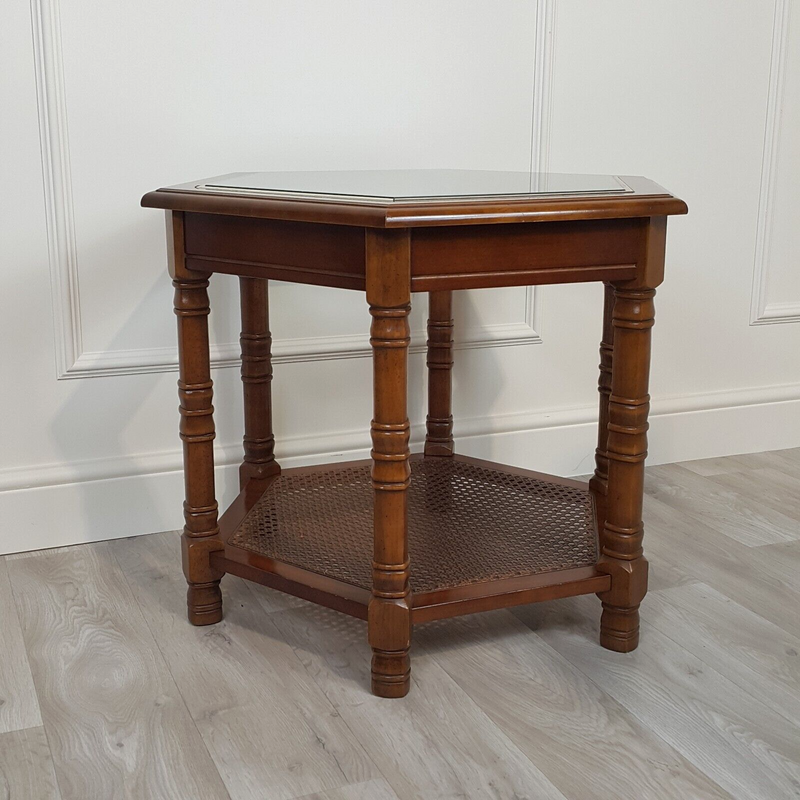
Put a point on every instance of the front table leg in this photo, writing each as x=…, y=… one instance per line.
x=389, y=613
x=628, y=405
x=201, y=532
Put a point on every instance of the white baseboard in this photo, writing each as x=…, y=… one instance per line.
x=56, y=505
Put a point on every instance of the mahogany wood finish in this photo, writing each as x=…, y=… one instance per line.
x=626, y=449
x=256, y=342
x=647, y=200
x=389, y=616
x=599, y=481
x=325, y=255
x=389, y=251
x=483, y=256
x=442, y=258
x=507, y=593
x=195, y=389
x=439, y=423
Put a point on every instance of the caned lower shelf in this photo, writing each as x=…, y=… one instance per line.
x=480, y=536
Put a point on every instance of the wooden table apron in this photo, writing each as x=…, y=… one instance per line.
x=389, y=254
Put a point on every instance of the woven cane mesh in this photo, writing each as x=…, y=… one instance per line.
x=466, y=524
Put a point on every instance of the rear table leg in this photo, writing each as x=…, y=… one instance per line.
x=256, y=342
x=599, y=481
x=439, y=423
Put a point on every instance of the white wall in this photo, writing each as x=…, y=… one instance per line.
x=104, y=101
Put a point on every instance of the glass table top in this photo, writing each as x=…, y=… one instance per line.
x=398, y=186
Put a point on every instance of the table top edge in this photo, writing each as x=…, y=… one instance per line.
x=647, y=199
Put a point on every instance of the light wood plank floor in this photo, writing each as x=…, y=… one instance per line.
x=107, y=692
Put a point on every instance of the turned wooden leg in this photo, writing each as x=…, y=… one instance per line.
x=599, y=481
x=201, y=532
x=621, y=539
x=439, y=423
x=389, y=613
x=256, y=342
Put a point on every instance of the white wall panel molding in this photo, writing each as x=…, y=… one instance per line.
x=73, y=361
x=762, y=311
x=57, y=178
x=541, y=103
x=311, y=348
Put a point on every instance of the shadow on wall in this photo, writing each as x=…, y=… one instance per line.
x=102, y=509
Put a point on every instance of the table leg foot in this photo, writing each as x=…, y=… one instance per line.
x=204, y=602
x=619, y=628
x=203, y=596
x=391, y=673
x=619, y=623
x=389, y=634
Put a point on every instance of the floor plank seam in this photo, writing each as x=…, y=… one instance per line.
x=15, y=610
x=44, y=725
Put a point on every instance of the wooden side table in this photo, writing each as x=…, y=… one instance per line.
x=402, y=539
